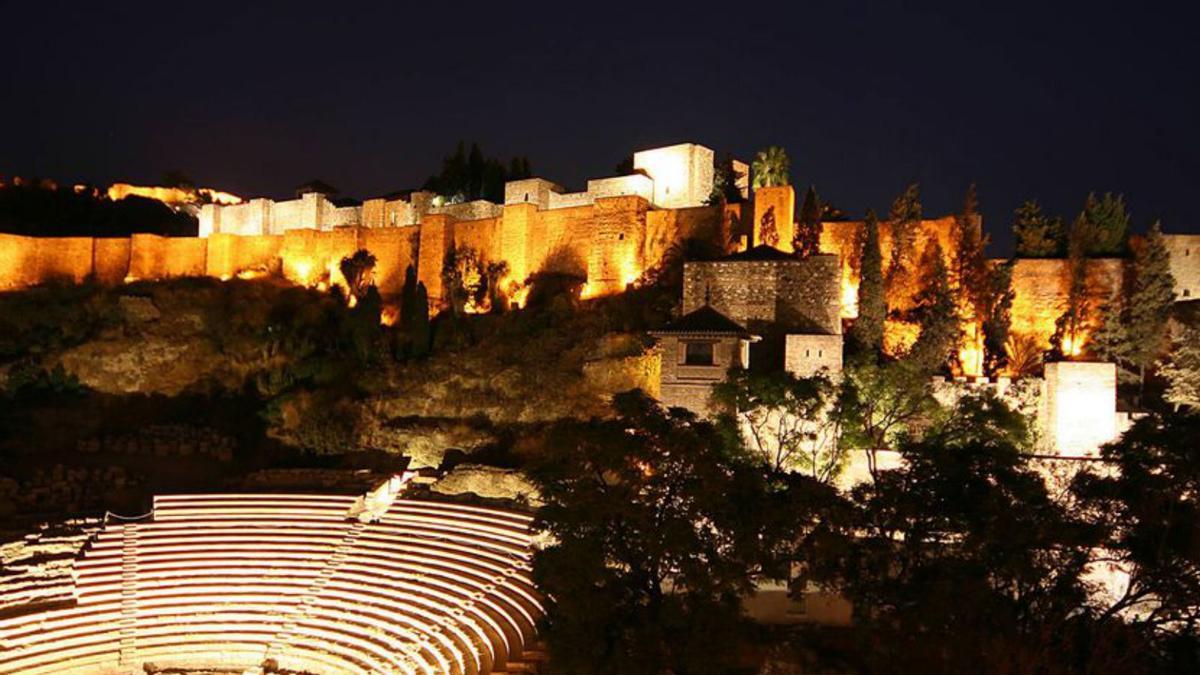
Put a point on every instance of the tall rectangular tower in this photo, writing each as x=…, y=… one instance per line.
x=683, y=174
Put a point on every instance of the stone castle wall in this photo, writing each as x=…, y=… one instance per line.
x=797, y=296
x=1185, y=264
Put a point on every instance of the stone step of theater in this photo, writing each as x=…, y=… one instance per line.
x=255, y=582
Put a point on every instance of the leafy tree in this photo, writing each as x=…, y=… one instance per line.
x=959, y=560
x=1133, y=332
x=468, y=175
x=867, y=332
x=972, y=271
x=1104, y=225
x=1068, y=328
x=357, y=269
x=791, y=421
x=905, y=220
x=937, y=315
x=465, y=279
x=997, y=319
x=807, y=238
x=881, y=403
x=770, y=167
x=1036, y=235
x=1182, y=371
x=1149, y=510
x=651, y=517
x=725, y=182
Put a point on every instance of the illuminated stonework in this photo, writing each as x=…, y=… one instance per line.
x=308, y=583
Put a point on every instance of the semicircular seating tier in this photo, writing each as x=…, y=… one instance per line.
x=290, y=582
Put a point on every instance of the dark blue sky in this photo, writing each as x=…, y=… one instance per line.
x=1029, y=100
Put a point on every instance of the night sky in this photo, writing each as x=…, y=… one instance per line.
x=1026, y=100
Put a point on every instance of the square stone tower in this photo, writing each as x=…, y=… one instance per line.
x=683, y=174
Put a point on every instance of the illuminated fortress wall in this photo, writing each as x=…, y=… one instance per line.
x=1185, y=264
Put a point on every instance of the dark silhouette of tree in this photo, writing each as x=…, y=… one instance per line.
x=358, y=270
x=1036, y=235
x=905, y=221
x=1149, y=514
x=1068, y=328
x=35, y=210
x=807, y=238
x=1133, y=332
x=960, y=560
x=725, y=182
x=1104, y=225
x=655, y=530
x=469, y=174
x=867, y=332
x=937, y=314
x=997, y=319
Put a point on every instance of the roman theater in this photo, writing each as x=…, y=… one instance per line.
x=288, y=583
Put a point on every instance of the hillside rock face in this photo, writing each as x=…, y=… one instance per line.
x=488, y=482
x=158, y=350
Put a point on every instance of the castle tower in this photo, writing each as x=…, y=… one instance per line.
x=1079, y=407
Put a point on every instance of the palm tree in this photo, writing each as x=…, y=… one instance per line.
x=770, y=167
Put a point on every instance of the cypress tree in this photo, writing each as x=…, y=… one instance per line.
x=807, y=238
x=997, y=320
x=867, y=332
x=419, y=329
x=1035, y=234
x=905, y=219
x=937, y=315
x=1133, y=333
x=1104, y=222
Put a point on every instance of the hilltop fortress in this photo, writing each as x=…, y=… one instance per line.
x=609, y=235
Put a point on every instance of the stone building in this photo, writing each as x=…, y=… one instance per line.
x=697, y=350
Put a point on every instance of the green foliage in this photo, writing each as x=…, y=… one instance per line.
x=807, y=238
x=1037, y=235
x=648, y=517
x=357, y=269
x=905, y=220
x=725, y=181
x=937, y=314
x=1133, y=333
x=883, y=403
x=1182, y=371
x=1103, y=225
x=791, y=422
x=997, y=319
x=972, y=273
x=771, y=167
x=867, y=332
x=1069, y=326
x=469, y=176
x=49, y=319
x=28, y=379
x=959, y=560
x=469, y=280
x=1149, y=512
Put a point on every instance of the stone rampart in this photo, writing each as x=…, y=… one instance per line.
x=796, y=296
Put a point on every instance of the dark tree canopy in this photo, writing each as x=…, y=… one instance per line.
x=466, y=176
x=61, y=212
x=807, y=238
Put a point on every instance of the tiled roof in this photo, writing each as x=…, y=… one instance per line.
x=704, y=321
